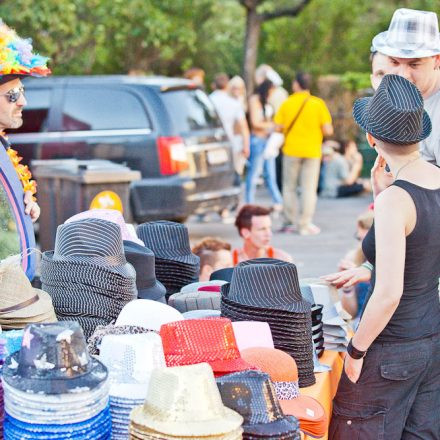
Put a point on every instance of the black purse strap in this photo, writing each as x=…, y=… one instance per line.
x=297, y=115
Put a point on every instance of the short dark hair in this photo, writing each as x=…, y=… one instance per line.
x=221, y=81
x=372, y=55
x=304, y=80
x=244, y=216
x=208, y=248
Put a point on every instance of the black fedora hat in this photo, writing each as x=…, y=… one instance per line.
x=267, y=283
x=142, y=259
x=395, y=113
x=169, y=241
x=53, y=359
x=222, y=274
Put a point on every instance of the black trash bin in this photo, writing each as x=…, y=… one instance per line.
x=69, y=186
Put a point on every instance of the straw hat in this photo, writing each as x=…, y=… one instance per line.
x=185, y=401
x=20, y=303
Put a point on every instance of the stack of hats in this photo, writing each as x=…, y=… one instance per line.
x=203, y=340
x=176, y=265
x=197, y=296
x=251, y=394
x=20, y=303
x=143, y=261
x=267, y=290
x=87, y=274
x=184, y=403
x=317, y=324
x=111, y=215
x=130, y=360
x=53, y=388
x=335, y=329
x=284, y=374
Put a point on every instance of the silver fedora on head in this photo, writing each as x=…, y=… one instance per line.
x=411, y=34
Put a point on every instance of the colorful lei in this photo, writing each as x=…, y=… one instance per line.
x=23, y=172
x=16, y=57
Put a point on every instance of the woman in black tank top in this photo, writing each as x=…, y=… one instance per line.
x=390, y=386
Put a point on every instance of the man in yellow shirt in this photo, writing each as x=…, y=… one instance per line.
x=305, y=120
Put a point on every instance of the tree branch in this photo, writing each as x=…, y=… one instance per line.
x=285, y=12
x=249, y=4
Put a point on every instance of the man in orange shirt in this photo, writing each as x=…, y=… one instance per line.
x=305, y=120
x=255, y=227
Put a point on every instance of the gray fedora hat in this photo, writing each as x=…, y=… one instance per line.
x=411, y=34
x=395, y=113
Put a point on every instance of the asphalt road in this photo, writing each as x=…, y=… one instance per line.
x=313, y=255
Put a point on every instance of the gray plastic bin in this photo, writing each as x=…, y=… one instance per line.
x=68, y=186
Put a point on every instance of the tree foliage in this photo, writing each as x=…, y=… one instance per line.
x=168, y=36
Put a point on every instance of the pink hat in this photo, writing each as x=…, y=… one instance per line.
x=250, y=334
x=110, y=215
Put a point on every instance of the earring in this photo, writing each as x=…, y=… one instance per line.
x=374, y=145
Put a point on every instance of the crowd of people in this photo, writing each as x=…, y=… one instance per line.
x=166, y=354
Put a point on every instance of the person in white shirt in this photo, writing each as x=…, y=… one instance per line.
x=233, y=119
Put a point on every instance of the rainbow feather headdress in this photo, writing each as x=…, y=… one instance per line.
x=16, y=57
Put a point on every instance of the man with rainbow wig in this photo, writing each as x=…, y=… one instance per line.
x=17, y=61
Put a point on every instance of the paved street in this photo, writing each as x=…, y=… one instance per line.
x=313, y=255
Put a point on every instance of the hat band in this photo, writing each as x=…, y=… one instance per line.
x=20, y=306
x=286, y=390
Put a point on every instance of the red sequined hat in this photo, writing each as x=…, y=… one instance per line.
x=203, y=340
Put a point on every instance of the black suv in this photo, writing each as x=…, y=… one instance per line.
x=164, y=127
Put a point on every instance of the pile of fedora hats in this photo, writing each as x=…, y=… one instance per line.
x=203, y=340
x=176, y=265
x=140, y=257
x=197, y=296
x=268, y=290
x=184, y=403
x=130, y=360
x=334, y=328
x=283, y=373
x=53, y=389
x=251, y=394
x=87, y=275
x=20, y=303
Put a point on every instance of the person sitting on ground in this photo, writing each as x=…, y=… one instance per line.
x=214, y=255
x=353, y=298
x=355, y=160
x=255, y=227
x=338, y=181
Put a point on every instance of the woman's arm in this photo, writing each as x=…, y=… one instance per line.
x=394, y=217
x=255, y=115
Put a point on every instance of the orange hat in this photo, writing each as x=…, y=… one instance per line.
x=283, y=372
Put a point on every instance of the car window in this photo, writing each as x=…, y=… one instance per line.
x=87, y=108
x=190, y=110
x=36, y=110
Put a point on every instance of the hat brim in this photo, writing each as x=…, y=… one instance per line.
x=47, y=383
x=360, y=115
x=154, y=292
x=278, y=427
x=380, y=44
x=41, y=307
x=302, y=407
x=227, y=422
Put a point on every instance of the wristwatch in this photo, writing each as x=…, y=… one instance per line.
x=354, y=352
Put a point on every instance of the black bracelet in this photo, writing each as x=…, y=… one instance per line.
x=354, y=352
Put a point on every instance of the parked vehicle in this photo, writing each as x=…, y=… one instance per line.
x=166, y=128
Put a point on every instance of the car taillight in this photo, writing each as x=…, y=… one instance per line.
x=172, y=155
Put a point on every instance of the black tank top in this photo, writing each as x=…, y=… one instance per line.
x=418, y=313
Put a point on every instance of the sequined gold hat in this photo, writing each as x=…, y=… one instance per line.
x=185, y=401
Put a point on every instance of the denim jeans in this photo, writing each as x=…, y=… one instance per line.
x=256, y=165
x=397, y=396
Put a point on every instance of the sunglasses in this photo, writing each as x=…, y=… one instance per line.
x=14, y=94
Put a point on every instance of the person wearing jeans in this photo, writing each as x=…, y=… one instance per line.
x=305, y=120
x=257, y=164
x=260, y=115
